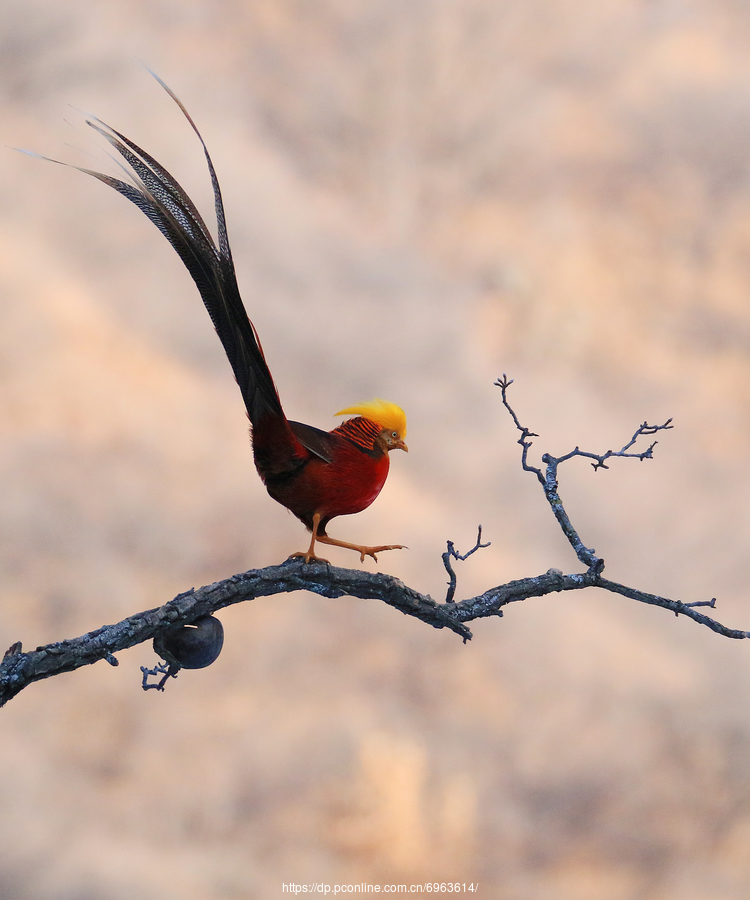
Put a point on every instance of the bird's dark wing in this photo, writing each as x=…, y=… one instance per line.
x=314, y=439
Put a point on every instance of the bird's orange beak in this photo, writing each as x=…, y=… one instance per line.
x=400, y=445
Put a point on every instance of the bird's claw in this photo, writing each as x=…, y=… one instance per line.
x=371, y=551
x=308, y=557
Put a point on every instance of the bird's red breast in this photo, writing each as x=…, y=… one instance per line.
x=344, y=484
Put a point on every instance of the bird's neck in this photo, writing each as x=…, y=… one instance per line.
x=362, y=432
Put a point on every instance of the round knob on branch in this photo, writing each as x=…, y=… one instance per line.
x=192, y=646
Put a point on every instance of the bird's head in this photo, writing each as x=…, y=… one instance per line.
x=390, y=418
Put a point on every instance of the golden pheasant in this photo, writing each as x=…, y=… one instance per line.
x=316, y=474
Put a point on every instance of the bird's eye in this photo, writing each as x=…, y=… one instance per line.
x=394, y=434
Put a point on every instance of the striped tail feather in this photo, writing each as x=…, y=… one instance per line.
x=157, y=194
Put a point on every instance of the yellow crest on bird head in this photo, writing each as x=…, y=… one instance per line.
x=383, y=413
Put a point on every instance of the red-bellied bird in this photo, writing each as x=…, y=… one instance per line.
x=316, y=474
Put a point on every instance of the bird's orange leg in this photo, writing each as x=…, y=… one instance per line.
x=309, y=555
x=359, y=548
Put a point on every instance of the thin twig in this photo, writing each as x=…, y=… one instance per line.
x=504, y=383
x=451, y=552
x=166, y=670
x=601, y=459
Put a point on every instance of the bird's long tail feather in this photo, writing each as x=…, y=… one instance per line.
x=157, y=194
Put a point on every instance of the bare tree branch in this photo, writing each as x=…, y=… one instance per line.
x=451, y=552
x=19, y=669
x=548, y=479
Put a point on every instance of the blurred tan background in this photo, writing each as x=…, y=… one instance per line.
x=421, y=194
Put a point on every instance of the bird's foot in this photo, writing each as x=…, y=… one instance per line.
x=359, y=548
x=368, y=551
x=371, y=551
x=308, y=557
